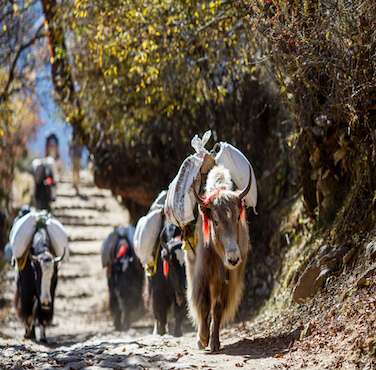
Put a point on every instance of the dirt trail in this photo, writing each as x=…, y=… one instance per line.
x=82, y=334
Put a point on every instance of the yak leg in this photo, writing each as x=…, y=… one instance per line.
x=114, y=306
x=160, y=316
x=29, y=331
x=160, y=326
x=42, y=330
x=29, y=328
x=30, y=322
x=203, y=323
x=125, y=322
x=215, y=325
x=179, y=311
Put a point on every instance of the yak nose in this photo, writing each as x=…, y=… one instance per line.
x=45, y=303
x=233, y=261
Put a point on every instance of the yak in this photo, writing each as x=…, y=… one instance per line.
x=36, y=285
x=45, y=186
x=167, y=287
x=215, y=272
x=125, y=278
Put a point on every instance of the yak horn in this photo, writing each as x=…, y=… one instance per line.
x=245, y=191
x=199, y=199
x=60, y=258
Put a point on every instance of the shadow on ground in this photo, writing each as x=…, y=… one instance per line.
x=262, y=347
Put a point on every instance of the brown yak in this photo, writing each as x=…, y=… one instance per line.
x=215, y=273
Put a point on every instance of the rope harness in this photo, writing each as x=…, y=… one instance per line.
x=189, y=241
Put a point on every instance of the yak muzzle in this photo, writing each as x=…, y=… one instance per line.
x=232, y=259
x=46, y=304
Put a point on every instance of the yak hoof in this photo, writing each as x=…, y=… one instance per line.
x=200, y=345
x=43, y=338
x=178, y=332
x=30, y=333
x=202, y=341
x=214, y=346
x=159, y=329
x=117, y=323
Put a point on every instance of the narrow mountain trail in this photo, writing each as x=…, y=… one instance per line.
x=82, y=334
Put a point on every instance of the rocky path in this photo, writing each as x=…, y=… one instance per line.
x=82, y=336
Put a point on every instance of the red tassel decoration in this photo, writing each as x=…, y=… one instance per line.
x=48, y=181
x=205, y=229
x=122, y=251
x=165, y=269
x=242, y=213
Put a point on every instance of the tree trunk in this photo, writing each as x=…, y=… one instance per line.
x=60, y=68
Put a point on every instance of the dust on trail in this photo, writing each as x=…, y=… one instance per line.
x=82, y=334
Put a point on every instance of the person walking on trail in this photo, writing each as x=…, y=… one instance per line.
x=52, y=146
x=52, y=150
x=75, y=151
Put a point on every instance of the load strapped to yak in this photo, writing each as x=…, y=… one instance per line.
x=146, y=236
x=24, y=228
x=178, y=204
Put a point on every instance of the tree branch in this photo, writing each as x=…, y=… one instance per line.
x=38, y=35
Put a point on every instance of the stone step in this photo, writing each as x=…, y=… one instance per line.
x=83, y=181
x=92, y=231
x=68, y=191
x=82, y=203
x=90, y=217
x=77, y=222
x=82, y=195
x=74, y=239
x=93, y=207
x=82, y=213
x=85, y=248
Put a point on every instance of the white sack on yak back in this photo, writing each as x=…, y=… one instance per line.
x=238, y=165
x=180, y=201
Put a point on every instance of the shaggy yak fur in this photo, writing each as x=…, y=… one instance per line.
x=215, y=272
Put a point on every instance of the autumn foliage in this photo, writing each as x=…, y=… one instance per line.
x=321, y=54
x=150, y=75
